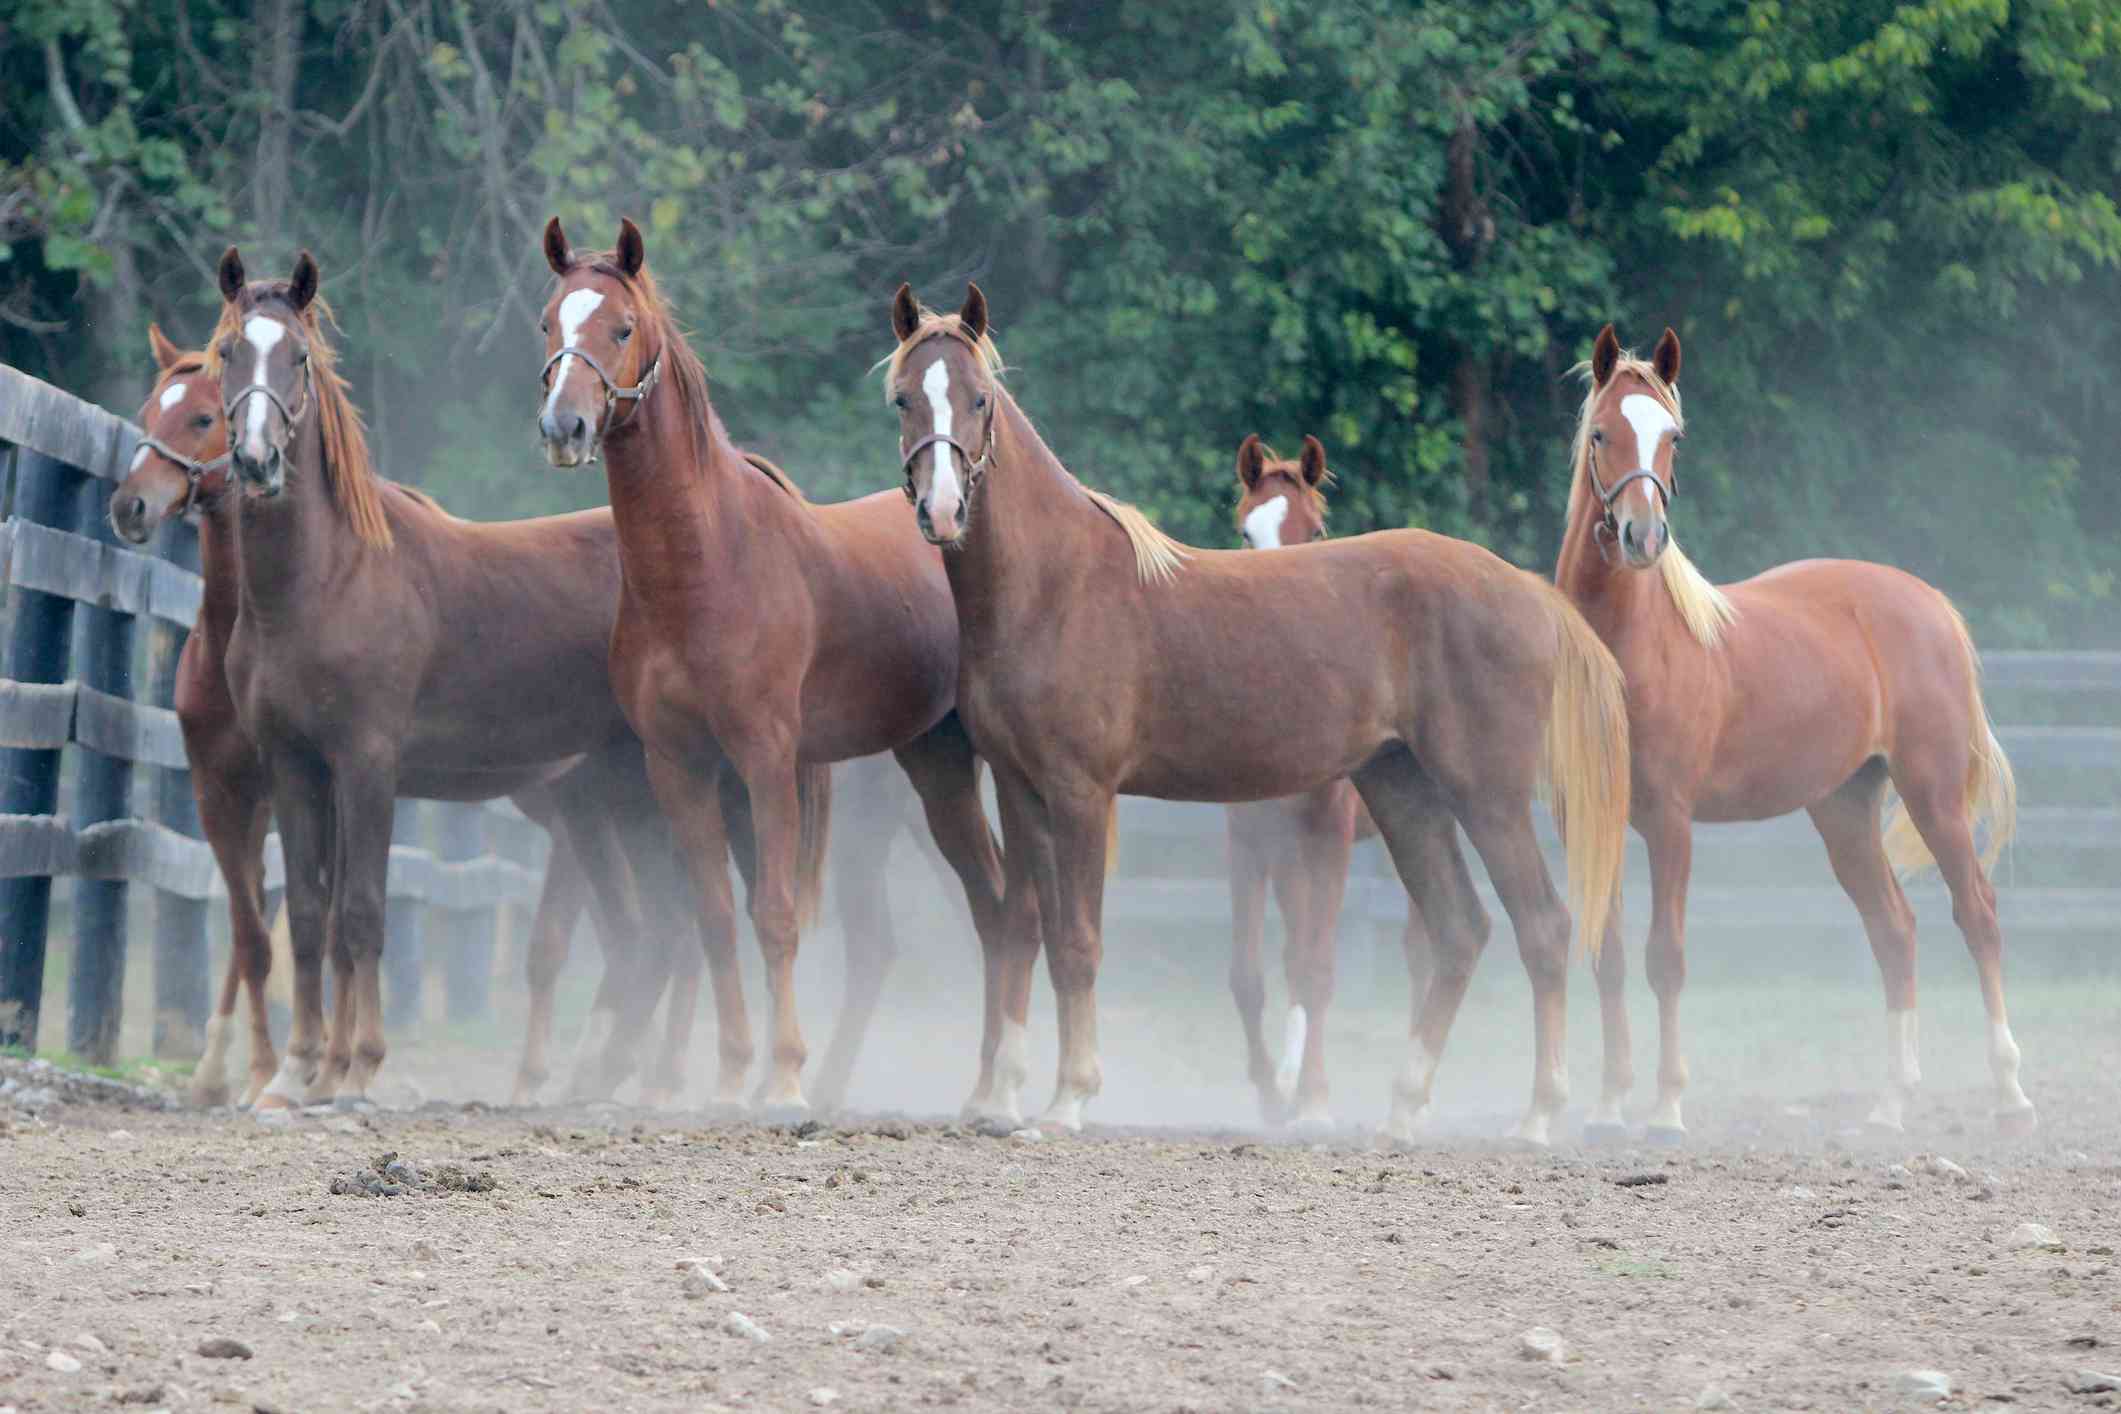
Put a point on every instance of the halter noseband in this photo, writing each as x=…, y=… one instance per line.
x=976, y=469
x=195, y=472
x=228, y=413
x=1608, y=524
x=613, y=393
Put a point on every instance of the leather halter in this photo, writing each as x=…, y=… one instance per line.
x=613, y=393
x=195, y=472
x=228, y=414
x=975, y=469
x=1606, y=498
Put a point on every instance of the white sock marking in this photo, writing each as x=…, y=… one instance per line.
x=574, y=313
x=1263, y=524
x=1903, y=1065
x=943, y=493
x=1295, y=1029
x=2003, y=1060
x=1418, y=1074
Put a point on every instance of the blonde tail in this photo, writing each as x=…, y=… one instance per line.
x=1587, y=766
x=1112, y=838
x=1991, y=786
x=813, y=788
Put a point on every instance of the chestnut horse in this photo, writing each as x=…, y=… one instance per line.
x=181, y=470
x=1101, y=656
x=1810, y=687
x=759, y=637
x=1301, y=843
x=383, y=647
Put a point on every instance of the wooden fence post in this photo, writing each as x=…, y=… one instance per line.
x=467, y=934
x=103, y=790
x=39, y=642
x=181, y=962
x=404, y=975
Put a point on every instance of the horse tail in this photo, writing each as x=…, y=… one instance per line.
x=1587, y=766
x=813, y=792
x=1991, y=785
x=1112, y=838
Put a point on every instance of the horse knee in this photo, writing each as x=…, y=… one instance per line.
x=1665, y=966
x=1072, y=963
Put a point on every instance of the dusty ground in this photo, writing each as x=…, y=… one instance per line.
x=1782, y=1260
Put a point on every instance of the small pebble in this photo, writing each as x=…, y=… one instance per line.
x=92, y=1345
x=423, y=1251
x=220, y=1347
x=879, y=1338
x=840, y=1279
x=2093, y=1382
x=700, y=1282
x=64, y=1363
x=1272, y=1382
x=822, y=1396
x=1798, y=1191
x=1200, y=1274
x=2033, y=1236
x=1136, y=1280
x=1923, y=1384
x=1542, y=1343
x=1714, y=1397
x=737, y=1323
x=1027, y=1136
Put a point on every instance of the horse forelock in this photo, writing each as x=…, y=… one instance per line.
x=350, y=477
x=950, y=326
x=1705, y=609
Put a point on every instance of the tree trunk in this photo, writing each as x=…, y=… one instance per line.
x=274, y=65
x=1468, y=229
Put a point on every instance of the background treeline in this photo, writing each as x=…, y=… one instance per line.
x=1887, y=232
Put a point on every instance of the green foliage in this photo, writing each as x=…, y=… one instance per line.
x=1888, y=233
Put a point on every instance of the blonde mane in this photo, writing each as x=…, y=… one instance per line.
x=1704, y=608
x=1277, y=465
x=349, y=476
x=1157, y=557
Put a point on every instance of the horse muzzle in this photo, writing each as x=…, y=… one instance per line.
x=1643, y=540
x=263, y=473
x=570, y=440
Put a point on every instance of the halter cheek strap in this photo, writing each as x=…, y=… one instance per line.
x=228, y=414
x=613, y=393
x=1608, y=523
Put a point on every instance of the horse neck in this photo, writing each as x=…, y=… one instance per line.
x=294, y=545
x=1026, y=517
x=681, y=522
x=221, y=590
x=1627, y=607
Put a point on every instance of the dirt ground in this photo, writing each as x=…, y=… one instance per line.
x=1785, y=1260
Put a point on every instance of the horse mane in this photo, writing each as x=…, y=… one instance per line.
x=778, y=477
x=1157, y=556
x=1293, y=471
x=1706, y=610
x=349, y=475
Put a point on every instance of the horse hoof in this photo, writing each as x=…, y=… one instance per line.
x=273, y=1117
x=992, y=1126
x=353, y=1105
x=270, y=1103
x=783, y=1115
x=1664, y=1136
x=1605, y=1135
x=210, y=1098
x=2017, y=1124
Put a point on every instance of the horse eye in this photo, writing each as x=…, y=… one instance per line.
x=203, y=421
x=899, y=401
x=979, y=402
x=623, y=335
x=544, y=326
x=1597, y=437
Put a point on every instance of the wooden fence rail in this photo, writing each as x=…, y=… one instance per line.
x=76, y=602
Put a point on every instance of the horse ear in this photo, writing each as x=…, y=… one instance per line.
x=633, y=253
x=905, y=312
x=302, y=285
x=231, y=274
x=974, y=315
x=558, y=254
x=166, y=353
x=1251, y=461
x=1605, y=356
x=1666, y=358
x=1313, y=463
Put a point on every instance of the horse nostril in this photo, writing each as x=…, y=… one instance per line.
x=577, y=428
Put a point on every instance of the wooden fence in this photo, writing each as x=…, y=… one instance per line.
x=89, y=622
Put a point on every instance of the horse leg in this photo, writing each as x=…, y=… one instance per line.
x=1071, y=915
x=1669, y=833
x=1321, y=866
x=1936, y=802
x=561, y=900
x=367, y=794
x=1010, y=953
x=233, y=810
x=1608, y=1123
x=634, y=966
x=1248, y=979
x=662, y=894
x=770, y=781
x=1422, y=838
x=1848, y=823
x=946, y=775
x=864, y=822
x=691, y=801
x=302, y=804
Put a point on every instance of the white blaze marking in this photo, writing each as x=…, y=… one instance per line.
x=574, y=313
x=138, y=457
x=263, y=334
x=943, y=494
x=1651, y=420
x=172, y=395
x=1263, y=523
